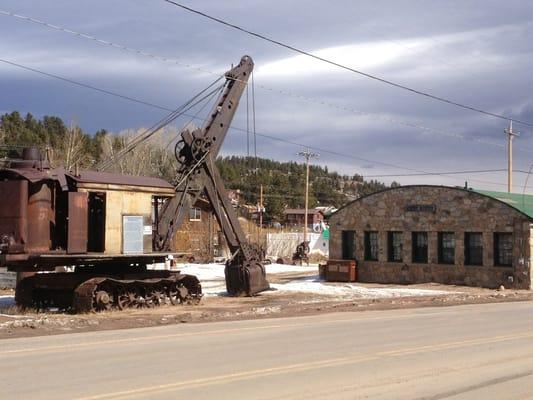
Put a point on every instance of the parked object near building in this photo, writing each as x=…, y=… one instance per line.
x=339, y=271
x=301, y=254
x=424, y=233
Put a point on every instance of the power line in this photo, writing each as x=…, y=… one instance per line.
x=104, y=42
x=85, y=85
x=478, y=171
x=288, y=93
x=274, y=138
x=336, y=64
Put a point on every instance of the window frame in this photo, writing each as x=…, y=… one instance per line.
x=441, y=248
x=468, y=250
x=414, y=246
x=391, y=247
x=368, y=246
x=197, y=214
x=496, y=241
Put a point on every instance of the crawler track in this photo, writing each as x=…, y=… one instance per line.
x=81, y=294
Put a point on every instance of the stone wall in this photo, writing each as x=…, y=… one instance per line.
x=435, y=209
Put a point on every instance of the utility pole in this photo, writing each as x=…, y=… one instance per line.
x=261, y=210
x=510, y=135
x=307, y=155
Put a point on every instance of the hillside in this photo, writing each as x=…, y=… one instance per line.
x=284, y=183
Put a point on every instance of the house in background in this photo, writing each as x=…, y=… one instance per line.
x=200, y=236
x=295, y=217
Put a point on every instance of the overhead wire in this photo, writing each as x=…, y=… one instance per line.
x=284, y=92
x=195, y=116
x=478, y=171
x=158, y=126
x=267, y=136
x=347, y=68
x=104, y=42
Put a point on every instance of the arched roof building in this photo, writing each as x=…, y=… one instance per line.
x=423, y=233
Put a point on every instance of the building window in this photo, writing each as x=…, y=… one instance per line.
x=420, y=247
x=195, y=214
x=503, y=249
x=446, y=248
x=395, y=240
x=348, y=245
x=371, y=246
x=473, y=248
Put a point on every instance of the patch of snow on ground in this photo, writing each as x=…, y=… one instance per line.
x=203, y=271
x=212, y=278
x=350, y=290
x=213, y=284
x=216, y=271
x=280, y=268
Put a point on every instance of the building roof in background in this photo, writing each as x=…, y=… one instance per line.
x=301, y=211
x=523, y=203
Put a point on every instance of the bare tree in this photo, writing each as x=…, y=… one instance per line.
x=150, y=158
x=71, y=151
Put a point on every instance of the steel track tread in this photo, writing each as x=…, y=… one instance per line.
x=104, y=293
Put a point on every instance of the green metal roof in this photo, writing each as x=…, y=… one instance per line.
x=523, y=203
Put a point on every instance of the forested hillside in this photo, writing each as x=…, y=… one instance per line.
x=283, y=182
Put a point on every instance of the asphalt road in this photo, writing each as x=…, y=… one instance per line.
x=464, y=352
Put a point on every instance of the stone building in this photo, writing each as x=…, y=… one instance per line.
x=423, y=233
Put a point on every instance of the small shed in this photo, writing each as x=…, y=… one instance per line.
x=120, y=209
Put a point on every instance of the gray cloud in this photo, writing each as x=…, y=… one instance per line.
x=475, y=52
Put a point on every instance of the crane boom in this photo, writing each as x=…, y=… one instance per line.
x=197, y=174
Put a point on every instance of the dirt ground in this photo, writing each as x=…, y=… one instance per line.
x=14, y=324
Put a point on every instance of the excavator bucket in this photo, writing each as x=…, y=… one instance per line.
x=245, y=280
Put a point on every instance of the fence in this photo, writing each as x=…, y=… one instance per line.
x=284, y=244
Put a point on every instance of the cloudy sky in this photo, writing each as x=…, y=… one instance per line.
x=473, y=52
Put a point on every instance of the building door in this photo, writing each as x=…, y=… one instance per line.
x=97, y=206
x=77, y=223
x=348, y=245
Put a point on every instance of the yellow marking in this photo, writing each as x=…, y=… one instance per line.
x=299, y=367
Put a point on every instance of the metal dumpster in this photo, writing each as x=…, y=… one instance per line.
x=341, y=271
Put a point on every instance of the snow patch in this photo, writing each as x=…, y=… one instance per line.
x=349, y=290
x=213, y=283
x=216, y=271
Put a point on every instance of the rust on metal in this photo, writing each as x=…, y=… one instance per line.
x=13, y=215
x=41, y=216
x=118, y=179
x=77, y=223
x=341, y=271
x=82, y=293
